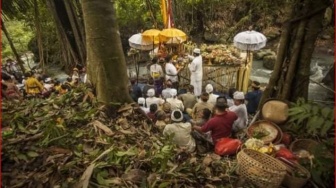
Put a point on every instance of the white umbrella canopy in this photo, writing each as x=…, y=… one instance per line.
x=139, y=42
x=250, y=40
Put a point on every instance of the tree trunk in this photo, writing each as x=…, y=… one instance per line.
x=106, y=63
x=11, y=44
x=75, y=25
x=69, y=26
x=290, y=78
x=39, y=34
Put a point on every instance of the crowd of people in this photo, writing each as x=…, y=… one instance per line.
x=35, y=84
x=196, y=117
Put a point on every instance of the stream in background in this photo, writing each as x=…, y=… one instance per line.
x=321, y=63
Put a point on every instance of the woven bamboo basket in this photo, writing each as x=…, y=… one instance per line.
x=291, y=181
x=276, y=140
x=305, y=144
x=275, y=110
x=260, y=169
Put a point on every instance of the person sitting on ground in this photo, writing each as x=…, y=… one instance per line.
x=253, y=98
x=75, y=74
x=142, y=104
x=221, y=124
x=206, y=115
x=11, y=91
x=174, y=102
x=161, y=118
x=68, y=82
x=199, y=106
x=32, y=85
x=180, y=131
x=151, y=99
x=57, y=86
x=189, y=100
x=230, y=98
x=75, y=82
x=135, y=90
x=149, y=85
x=166, y=91
x=239, y=108
x=152, y=110
x=48, y=87
x=212, y=97
x=64, y=89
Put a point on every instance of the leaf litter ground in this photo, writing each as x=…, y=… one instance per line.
x=73, y=141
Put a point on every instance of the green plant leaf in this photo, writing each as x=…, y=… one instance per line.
x=307, y=107
x=32, y=154
x=316, y=175
x=100, y=179
x=302, y=117
x=164, y=184
x=295, y=110
x=326, y=127
x=312, y=125
x=315, y=109
x=325, y=112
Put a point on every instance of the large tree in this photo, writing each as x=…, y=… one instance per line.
x=290, y=78
x=106, y=63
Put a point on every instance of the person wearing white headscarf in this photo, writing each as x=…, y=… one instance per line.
x=196, y=71
x=142, y=103
x=212, y=97
x=240, y=109
x=180, y=131
x=174, y=102
x=151, y=99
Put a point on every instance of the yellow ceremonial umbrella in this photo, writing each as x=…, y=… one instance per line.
x=169, y=33
x=152, y=34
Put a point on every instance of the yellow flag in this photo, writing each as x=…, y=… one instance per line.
x=164, y=12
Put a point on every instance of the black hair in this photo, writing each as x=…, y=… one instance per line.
x=153, y=108
x=206, y=113
x=177, y=114
x=231, y=92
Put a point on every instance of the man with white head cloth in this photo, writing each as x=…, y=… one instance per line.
x=196, y=71
x=174, y=101
x=212, y=97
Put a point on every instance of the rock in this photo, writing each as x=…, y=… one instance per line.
x=262, y=53
x=269, y=61
x=211, y=37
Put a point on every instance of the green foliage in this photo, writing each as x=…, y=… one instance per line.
x=20, y=34
x=309, y=119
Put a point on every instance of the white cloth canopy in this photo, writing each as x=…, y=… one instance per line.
x=137, y=41
x=250, y=40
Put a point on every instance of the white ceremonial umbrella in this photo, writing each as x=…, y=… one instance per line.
x=249, y=41
x=139, y=42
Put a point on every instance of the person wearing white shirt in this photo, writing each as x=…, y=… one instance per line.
x=239, y=108
x=171, y=72
x=212, y=97
x=157, y=74
x=180, y=131
x=142, y=103
x=166, y=91
x=151, y=99
x=196, y=71
x=175, y=103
